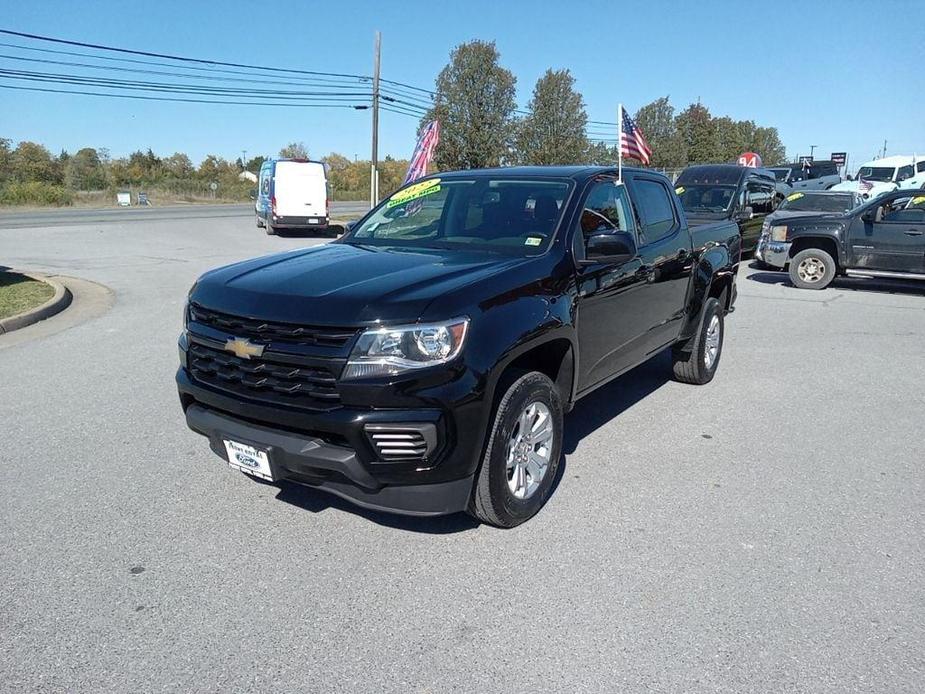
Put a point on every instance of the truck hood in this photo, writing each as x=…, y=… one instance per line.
x=796, y=215
x=852, y=186
x=696, y=219
x=343, y=285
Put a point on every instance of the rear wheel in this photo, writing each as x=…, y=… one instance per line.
x=260, y=223
x=696, y=361
x=522, y=456
x=271, y=230
x=812, y=268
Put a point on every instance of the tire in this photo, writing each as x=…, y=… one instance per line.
x=812, y=268
x=260, y=223
x=270, y=229
x=506, y=494
x=696, y=361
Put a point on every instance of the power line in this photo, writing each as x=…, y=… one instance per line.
x=178, y=99
x=100, y=47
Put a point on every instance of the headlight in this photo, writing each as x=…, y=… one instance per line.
x=390, y=351
x=779, y=232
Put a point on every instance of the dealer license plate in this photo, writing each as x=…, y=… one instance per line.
x=313, y=220
x=248, y=459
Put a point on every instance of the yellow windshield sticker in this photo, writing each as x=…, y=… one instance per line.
x=679, y=190
x=795, y=196
x=413, y=192
x=533, y=241
x=918, y=200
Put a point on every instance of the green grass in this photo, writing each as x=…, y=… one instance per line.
x=19, y=293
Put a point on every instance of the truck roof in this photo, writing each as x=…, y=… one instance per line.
x=729, y=174
x=895, y=160
x=578, y=173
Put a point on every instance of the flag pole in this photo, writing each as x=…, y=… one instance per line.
x=620, y=142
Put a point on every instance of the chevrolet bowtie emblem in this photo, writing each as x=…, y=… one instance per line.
x=243, y=348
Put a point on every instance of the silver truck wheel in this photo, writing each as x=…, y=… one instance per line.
x=529, y=450
x=812, y=268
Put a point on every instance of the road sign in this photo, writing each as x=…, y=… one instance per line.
x=839, y=158
x=213, y=186
x=750, y=159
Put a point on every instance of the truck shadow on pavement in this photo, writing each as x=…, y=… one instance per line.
x=590, y=414
x=853, y=284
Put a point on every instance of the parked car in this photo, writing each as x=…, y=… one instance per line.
x=717, y=192
x=820, y=175
x=423, y=362
x=292, y=194
x=882, y=176
x=884, y=237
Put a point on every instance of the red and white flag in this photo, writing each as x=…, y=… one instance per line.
x=632, y=141
x=423, y=152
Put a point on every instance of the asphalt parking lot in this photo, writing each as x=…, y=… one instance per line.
x=762, y=533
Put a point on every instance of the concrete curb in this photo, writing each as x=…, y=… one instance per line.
x=57, y=303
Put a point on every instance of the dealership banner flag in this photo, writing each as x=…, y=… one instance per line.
x=423, y=152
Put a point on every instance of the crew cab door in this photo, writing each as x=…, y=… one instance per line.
x=891, y=236
x=759, y=196
x=612, y=308
x=665, y=251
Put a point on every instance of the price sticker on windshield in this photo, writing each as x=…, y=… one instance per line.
x=918, y=200
x=533, y=241
x=679, y=190
x=413, y=192
x=795, y=196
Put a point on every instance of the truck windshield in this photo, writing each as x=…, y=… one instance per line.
x=701, y=197
x=817, y=202
x=505, y=214
x=876, y=173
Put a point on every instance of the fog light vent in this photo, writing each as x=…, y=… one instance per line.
x=402, y=441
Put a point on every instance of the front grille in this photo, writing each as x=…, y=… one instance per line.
x=262, y=379
x=402, y=442
x=266, y=331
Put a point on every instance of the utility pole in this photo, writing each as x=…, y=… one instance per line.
x=811, y=148
x=373, y=172
x=244, y=160
x=884, y=149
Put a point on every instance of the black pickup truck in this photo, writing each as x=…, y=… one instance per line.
x=712, y=193
x=884, y=238
x=422, y=363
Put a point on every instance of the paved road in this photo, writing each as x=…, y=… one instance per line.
x=763, y=533
x=12, y=218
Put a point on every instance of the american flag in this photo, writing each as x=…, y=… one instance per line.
x=632, y=141
x=423, y=152
x=864, y=186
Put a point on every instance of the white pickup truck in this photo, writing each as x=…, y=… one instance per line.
x=883, y=175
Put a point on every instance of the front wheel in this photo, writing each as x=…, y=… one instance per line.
x=696, y=361
x=812, y=269
x=522, y=456
x=270, y=229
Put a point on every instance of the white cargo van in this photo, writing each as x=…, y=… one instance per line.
x=292, y=194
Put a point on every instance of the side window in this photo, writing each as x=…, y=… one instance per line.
x=657, y=209
x=902, y=211
x=904, y=173
x=760, y=198
x=796, y=174
x=920, y=166
x=265, y=185
x=606, y=209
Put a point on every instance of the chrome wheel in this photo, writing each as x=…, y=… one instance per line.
x=529, y=450
x=811, y=270
x=711, y=344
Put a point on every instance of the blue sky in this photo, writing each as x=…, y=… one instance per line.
x=840, y=75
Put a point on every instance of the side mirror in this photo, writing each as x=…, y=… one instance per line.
x=870, y=216
x=253, y=193
x=349, y=225
x=614, y=247
x=336, y=229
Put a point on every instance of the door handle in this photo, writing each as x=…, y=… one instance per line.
x=913, y=232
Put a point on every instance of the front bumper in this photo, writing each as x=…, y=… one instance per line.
x=335, y=450
x=329, y=467
x=774, y=253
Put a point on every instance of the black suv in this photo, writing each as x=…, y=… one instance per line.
x=422, y=363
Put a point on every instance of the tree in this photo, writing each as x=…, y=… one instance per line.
x=214, y=167
x=33, y=162
x=84, y=171
x=554, y=131
x=254, y=163
x=698, y=133
x=294, y=150
x=178, y=165
x=657, y=121
x=6, y=159
x=474, y=103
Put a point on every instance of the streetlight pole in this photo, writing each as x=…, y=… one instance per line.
x=811, y=148
x=373, y=172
